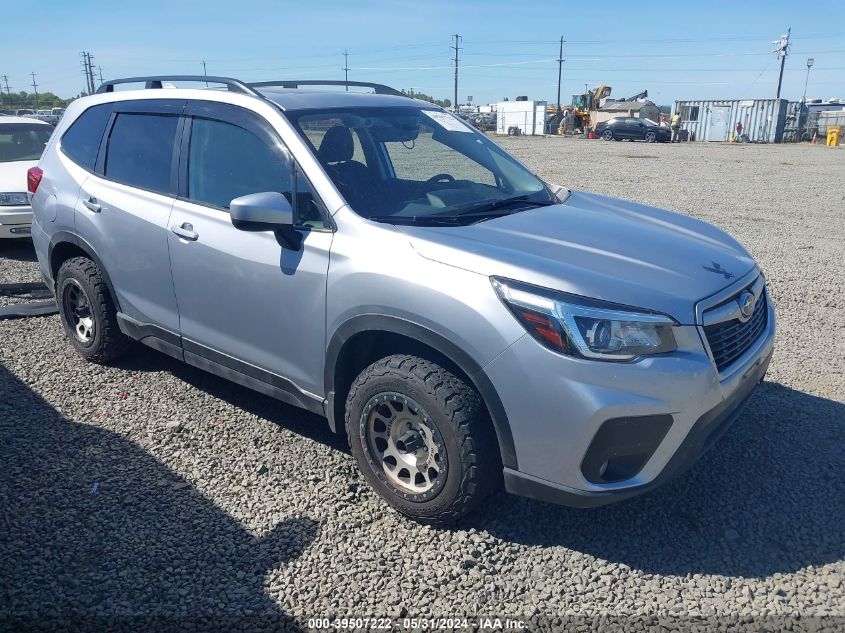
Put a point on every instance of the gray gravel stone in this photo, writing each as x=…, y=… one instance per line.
x=255, y=507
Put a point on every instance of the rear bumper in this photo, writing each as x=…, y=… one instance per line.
x=704, y=433
x=15, y=221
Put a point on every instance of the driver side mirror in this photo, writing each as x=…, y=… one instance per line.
x=266, y=211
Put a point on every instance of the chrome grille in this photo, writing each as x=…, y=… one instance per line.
x=731, y=339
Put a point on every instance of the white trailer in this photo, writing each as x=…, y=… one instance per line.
x=529, y=117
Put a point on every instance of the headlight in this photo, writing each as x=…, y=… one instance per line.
x=577, y=326
x=13, y=199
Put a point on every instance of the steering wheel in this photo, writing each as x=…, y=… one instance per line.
x=440, y=178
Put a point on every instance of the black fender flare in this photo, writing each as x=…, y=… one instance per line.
x=438, y=342
x=66, y=237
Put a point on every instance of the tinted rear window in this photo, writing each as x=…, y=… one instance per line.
x=140, y=150
x=82, y=140
x=22, y=141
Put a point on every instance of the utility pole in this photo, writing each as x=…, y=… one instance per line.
x=35, y=90
x=346, y=68
x=204, y=73
x=782, y=50
x=457, y=48
x=559, y=72
x=88, y=69
x=100, y=70
x=8, y=92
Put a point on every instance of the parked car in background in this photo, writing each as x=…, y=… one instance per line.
x=22, y=140
x=633, y=129
x=378, y=261
x=24, y=112
x=47, y=116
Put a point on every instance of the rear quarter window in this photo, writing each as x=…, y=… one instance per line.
x=82, y=139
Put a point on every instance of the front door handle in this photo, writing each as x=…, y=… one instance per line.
x=185, y=231
x=91, y=204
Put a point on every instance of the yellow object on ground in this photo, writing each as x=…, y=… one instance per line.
x=833, y=135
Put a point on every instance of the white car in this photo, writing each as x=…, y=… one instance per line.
x=22, y=140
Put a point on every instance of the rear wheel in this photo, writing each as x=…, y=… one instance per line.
x=422, y=439
x=607, y=135
x=87, y=311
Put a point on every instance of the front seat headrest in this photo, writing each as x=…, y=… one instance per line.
x=337, y=145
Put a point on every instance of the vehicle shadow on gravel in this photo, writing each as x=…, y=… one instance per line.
x=20, y=250
x=768, y=497
x=96, y=534
x=294, y=419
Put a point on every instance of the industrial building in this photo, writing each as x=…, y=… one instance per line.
x=763, y=120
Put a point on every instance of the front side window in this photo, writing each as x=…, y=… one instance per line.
x=226, y=161
x=140, y=150
x=22, y=141
x=425, y=166
x=82, y=139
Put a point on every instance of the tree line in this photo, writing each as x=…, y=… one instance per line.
x=23, y=99
x=443, y=103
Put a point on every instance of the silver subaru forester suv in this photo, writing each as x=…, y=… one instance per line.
x=372, y=258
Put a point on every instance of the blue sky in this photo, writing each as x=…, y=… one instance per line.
x=681, y=50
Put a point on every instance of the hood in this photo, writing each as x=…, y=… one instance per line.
x=598, y=247
x=13, y=175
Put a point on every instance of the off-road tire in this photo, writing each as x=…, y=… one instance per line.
x=108, y=342
x=474, y=467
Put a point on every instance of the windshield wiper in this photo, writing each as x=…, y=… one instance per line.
x=468, y=214
x=484, y=208
x=417, y=219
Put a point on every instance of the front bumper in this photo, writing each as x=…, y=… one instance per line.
x=15, y=221
x=704, y=433
x=557, y=406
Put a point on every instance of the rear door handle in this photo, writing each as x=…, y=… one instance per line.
x=185, y=231
x=91, y=204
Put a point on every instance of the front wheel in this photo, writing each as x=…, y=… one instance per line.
x=422, y=439
x=650, y=137
x=607, y=135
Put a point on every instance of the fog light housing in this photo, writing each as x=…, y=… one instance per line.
x=622, y=446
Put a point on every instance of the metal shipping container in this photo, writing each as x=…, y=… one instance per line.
x=763, y=120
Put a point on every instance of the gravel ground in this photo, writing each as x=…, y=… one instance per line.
x=152, y=490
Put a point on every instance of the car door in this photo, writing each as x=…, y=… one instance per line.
x=247, y=302
x=124, y=206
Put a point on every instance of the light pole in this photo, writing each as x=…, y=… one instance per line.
x=810, y=62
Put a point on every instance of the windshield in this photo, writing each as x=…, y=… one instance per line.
x=410, y=165
x=22, y=141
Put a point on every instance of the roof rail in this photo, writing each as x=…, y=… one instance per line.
x=233, y=85
x=380, y=89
